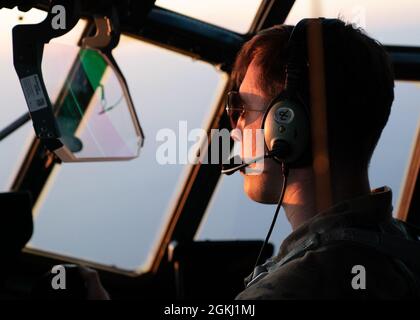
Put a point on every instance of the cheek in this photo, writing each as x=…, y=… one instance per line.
x=253, y=139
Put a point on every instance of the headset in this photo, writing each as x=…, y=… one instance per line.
x=286, y=122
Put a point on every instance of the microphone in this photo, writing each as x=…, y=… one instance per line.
x=280, y=149
x=232, y=166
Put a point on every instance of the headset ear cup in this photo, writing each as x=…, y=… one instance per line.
x=286, y=127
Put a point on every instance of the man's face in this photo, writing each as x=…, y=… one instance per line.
x=265, y=186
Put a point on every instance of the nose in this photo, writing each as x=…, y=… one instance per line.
x=236, y=135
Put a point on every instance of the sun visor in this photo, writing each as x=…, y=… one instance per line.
x=83, y=111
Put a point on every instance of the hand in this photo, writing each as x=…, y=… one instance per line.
x=95, y=290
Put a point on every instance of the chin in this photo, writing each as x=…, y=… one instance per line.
x=262, y=188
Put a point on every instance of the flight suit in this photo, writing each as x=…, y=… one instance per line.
x=310, y=265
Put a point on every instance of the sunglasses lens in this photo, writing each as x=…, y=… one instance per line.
x=234, y=108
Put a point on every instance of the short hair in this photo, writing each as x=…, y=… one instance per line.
x=359, y=84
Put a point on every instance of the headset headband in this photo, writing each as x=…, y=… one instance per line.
x=297, y=57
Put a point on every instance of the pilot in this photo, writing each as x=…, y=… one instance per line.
x=359, y=93
x=359, y=85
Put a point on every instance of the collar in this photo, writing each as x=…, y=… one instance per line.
x=363, y=211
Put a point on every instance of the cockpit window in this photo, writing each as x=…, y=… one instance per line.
x=112, y=212
x=390, y=22
x=235, y=15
